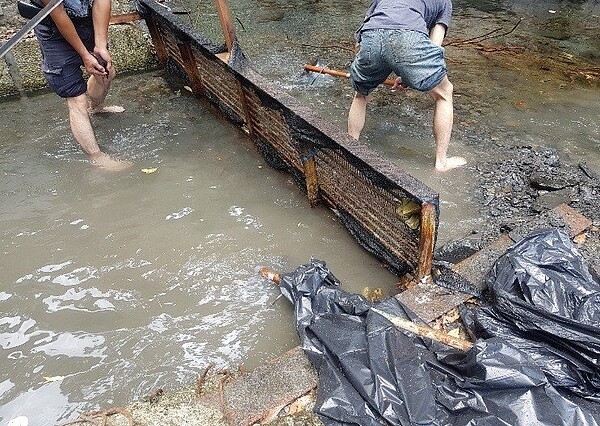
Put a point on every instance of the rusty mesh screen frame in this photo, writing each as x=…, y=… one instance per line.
x=373, y=197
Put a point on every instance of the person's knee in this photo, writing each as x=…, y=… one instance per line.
x=78, y=104
x=443, y=91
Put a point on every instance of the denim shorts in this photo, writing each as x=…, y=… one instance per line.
x=409, y=54
x=61, y=64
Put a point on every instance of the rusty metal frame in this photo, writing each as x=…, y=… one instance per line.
x=333, y=167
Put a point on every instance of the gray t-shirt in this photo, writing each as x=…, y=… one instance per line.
x=416, y=15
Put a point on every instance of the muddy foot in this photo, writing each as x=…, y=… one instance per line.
x=451, y=163
x=107, y=109
x=104, y=161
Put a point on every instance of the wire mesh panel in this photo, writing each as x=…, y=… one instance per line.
x=389, y=212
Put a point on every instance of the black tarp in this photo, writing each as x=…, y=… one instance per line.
x=370, y=373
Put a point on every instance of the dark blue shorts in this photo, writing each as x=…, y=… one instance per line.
x=409, y=54
x=61, y=64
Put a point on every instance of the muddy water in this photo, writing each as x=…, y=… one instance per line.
x=499, y=97
x=114, y=284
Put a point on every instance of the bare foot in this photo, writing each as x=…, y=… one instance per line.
x=451, y=163
x=104, y=161
x=107, y=109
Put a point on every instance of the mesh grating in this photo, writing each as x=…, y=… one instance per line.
x=378, y=203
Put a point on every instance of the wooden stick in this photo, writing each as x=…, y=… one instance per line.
x=124, y=18
x=226, y=22
x=426, y=331
x=426, y=240
x=325, y=70
x=418, y=329
x=267, y=273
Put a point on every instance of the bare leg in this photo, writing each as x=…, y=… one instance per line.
x=356, y=116
x=84, y=134
x=443, y=118
x=98, y=89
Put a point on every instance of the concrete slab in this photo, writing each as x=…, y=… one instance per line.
x=263, y=392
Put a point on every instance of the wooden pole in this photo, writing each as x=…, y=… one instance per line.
x=324, y=70
x=157, y=41
x=124, y=18
x=426, y=240
x=270, y=275
x=191, y=69
x=226, y=22
x=418, y=329
x=426, y=331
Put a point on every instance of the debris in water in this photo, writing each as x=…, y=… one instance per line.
x=150, y=170
x=53, y=378
x=154, y=396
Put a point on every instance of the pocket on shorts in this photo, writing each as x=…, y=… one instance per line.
x=45, y=32
x=363, y=58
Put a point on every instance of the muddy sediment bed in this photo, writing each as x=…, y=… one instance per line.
x=517, y=184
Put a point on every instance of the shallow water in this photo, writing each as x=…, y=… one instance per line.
x=121, y=283
x=498, y=98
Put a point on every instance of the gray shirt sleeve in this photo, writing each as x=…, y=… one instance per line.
x=445, y=15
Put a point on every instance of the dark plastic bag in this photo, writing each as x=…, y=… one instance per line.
x=545, y=301
x=370, y=373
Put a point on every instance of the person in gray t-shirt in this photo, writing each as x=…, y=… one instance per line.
x=405, y=37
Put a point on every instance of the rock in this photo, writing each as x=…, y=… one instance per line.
x=549, y=200
x=455, y=251
x=549, y=181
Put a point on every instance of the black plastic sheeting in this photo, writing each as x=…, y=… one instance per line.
x=546, y=302
x=370, y=373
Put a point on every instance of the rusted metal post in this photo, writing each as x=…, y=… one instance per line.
x=189, y=64
x=157, y=41
x=426, y=240
x=226, y=22
x=312, y=181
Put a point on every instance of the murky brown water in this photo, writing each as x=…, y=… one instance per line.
x=122, y=283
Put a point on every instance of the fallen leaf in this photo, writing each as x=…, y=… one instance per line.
x=150, y=170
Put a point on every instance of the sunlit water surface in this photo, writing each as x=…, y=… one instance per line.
x=112, y=285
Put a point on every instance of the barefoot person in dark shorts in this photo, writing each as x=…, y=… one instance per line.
x=405, y=36
x=76, y=36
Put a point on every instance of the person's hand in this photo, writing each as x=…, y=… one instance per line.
x=398, y=84
x=92, y=65
x=102, y=52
